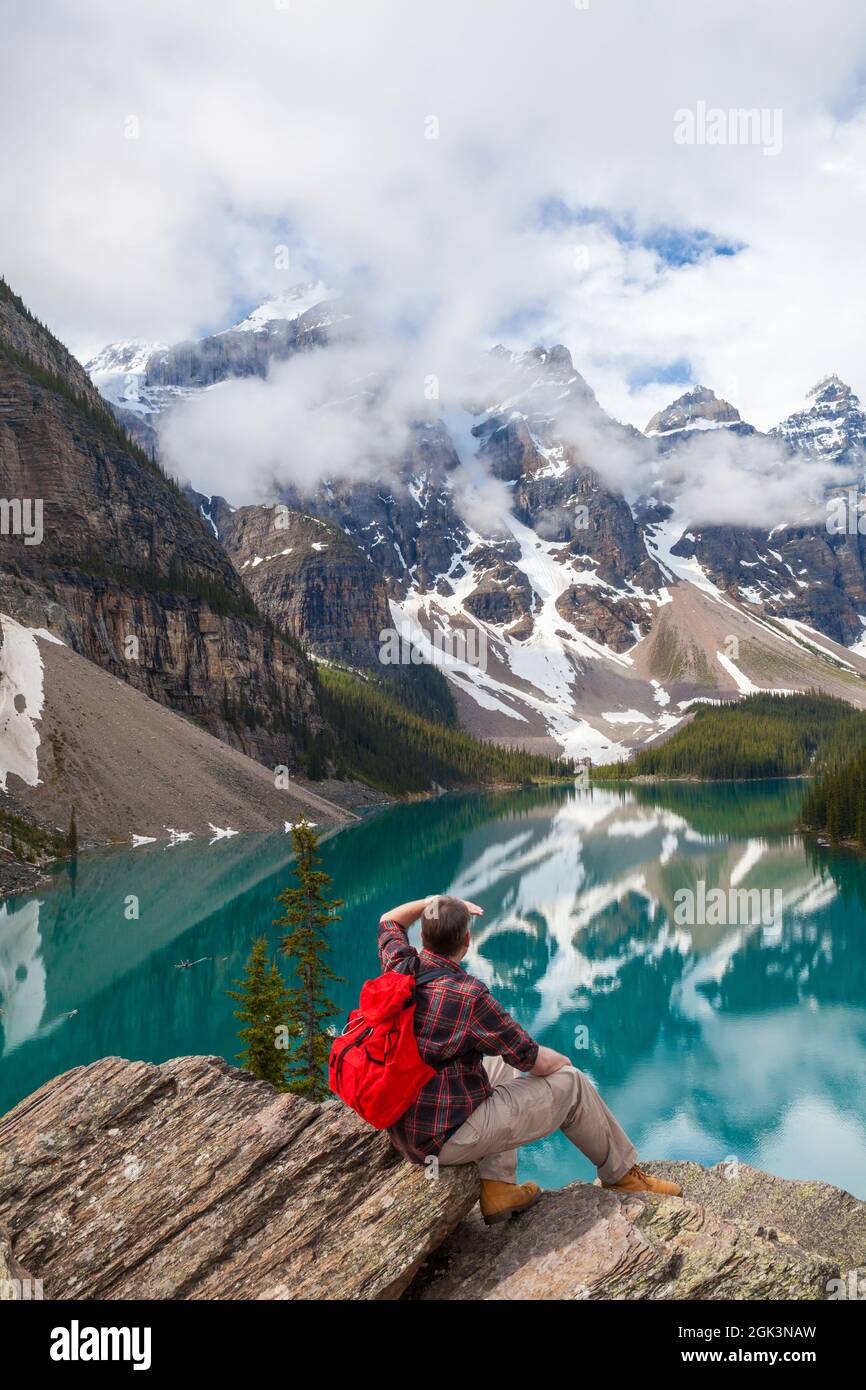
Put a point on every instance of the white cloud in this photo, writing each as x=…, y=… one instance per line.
x=318, y=415
x=720, y=478
x=306, y=125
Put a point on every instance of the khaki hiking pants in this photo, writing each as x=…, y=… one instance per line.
x=523, y=1108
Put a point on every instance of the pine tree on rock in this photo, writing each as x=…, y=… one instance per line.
x=264, y=1010
x=307, y=916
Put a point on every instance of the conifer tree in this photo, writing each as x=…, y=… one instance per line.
x=307, y=915
x=264, y=1008
x=72, y=837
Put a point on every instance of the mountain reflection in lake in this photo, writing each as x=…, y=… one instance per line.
x=707, y=1041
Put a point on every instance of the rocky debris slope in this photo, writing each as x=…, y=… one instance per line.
x=130, y=766
x=191, y=1180
x=749, y=1237
x=17, y=877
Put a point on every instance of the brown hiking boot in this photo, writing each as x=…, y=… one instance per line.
x=500, y=1200
x=638, y=1180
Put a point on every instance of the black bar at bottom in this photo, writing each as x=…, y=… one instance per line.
x=85, y=1338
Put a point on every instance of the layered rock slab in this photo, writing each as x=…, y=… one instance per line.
x=191, y=1180
x=753, y=1237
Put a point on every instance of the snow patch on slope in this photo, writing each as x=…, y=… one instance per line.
x=660, y=541
x=743, y=684
x=21, y=700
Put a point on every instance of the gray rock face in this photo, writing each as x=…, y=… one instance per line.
x=311, y=580
x=809, y=573
x=413, y=528
x=15, y=1280
x=754, y=1237
x=823, y=1219
x=191, y=1180
x=804, y=573
x=503, y=517
x=205, y=361
x=145, y=378
x=406, y=522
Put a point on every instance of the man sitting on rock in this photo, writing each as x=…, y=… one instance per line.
x=495, y=1088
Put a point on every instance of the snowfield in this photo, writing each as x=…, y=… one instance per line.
x=21, y=700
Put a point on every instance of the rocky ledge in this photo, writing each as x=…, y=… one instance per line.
x=744, y=1235
x=17, y=877
x=192, y=1180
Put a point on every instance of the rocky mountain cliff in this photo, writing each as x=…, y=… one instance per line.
x=310, y=579
x=124, y=571
x=601, y=619
x=191, y=1180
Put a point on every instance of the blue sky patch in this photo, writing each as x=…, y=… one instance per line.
x=675, y=246
x=678, y=372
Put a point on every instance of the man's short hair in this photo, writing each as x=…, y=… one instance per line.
x=443, y=925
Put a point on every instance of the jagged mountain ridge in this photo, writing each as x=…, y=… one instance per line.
x=831, y=425
x=813, y=573
x=602, y=618
x=699, y=409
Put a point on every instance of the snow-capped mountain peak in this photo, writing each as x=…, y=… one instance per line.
x=831, y=424
x=540, y=383
x=131, y=354
x=128, y=356
x=698, y=409
x=143, y=379
x=285, y=307
x=120, y=370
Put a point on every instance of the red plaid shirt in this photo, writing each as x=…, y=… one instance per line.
x=457, y=1023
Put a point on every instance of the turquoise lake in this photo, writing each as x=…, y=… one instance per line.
x=709, y=1042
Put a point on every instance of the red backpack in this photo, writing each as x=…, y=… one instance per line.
x=375, y=1065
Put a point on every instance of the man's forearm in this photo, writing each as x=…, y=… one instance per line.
x=548, y=1061
x=406, y=913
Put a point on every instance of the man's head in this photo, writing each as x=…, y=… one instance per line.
x=445, y=927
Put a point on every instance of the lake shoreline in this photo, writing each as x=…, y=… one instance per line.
x=18, y=877
x=648, y=779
